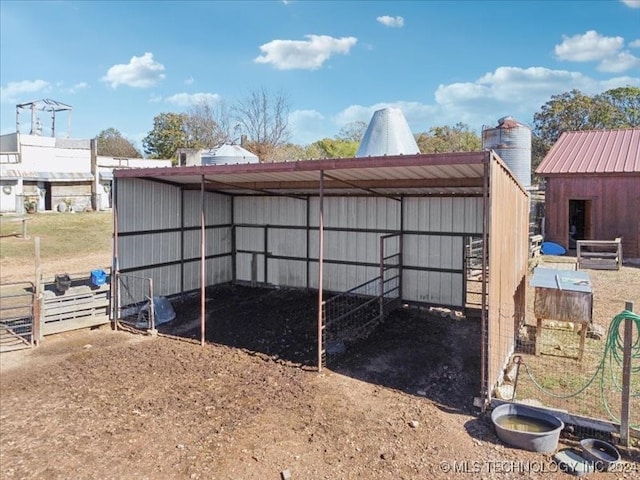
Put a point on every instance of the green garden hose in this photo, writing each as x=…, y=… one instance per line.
x=612, y=357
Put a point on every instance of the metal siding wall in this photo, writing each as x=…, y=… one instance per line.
x=445, y=215
x=148, y=249
x=162, y=210
x=145, y=205
x=350, y=212
x=508, y=258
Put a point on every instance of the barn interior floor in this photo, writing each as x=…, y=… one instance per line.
x=414, y=351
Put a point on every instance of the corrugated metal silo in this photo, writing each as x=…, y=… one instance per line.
x=511, y=140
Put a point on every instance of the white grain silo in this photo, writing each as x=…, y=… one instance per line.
x=511, y=140
x=388, y=133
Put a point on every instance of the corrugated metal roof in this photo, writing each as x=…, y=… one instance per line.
x=428, y=174
x=593, y=152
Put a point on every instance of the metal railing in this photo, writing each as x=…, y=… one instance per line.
x=355, y=314
x=134, y=304
x=17, y=316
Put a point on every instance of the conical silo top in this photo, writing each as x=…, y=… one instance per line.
x=388, y=133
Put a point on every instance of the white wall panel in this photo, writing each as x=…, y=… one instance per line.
x=433, y=251
x=145, y=205
x=149, y=249
x=270, y=210
x=218, y=270
x=217, y=241
x=433, y=287
x=287, y=273
x=217, y=208
x=285, y=242
x=244, y=265
x=250, y=238
x=443, y=214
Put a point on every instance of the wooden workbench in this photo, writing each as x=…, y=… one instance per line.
x=562, y=295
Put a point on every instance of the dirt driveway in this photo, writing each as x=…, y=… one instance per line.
x=102, y=404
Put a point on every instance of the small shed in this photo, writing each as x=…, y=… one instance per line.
x=593, y=188
x=455, y=225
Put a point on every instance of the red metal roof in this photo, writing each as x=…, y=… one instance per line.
x=594, y=151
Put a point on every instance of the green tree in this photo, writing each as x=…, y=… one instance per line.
x=459, y=138
x=111, y=143
x=626, y=104
x=264, y=117
x=573, y=111
x=168, y=134
x=335, y=148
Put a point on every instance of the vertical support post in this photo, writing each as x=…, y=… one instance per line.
x=320, y=268
x=484, y=321
x=265, y=272
x=234, y=253
x=381, y=301
x=152, y=309
x=115, y=264
x=37, y=294
x=182, y=209
x=626, y=377
x=203, y=278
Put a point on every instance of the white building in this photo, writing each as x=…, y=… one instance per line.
x=56, y=173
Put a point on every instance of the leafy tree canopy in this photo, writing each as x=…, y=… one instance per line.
x=111, y=143
x=459, y=138
x=571, y=111
x=168, y=134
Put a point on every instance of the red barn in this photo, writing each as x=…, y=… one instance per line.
x=593, y=188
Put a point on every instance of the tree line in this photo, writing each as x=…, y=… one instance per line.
x=260, y=122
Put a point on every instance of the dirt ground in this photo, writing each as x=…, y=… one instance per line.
x=103, y=404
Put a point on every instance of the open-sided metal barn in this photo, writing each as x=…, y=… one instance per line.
x=406, y=224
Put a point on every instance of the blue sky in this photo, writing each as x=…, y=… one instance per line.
x=121, y=63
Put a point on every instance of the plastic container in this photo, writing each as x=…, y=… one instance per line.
x=98, y=277
x=603, y=455
x=518, y=434
x=63, y=282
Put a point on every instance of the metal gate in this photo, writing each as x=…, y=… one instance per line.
x=18, y=328
x=354, y=314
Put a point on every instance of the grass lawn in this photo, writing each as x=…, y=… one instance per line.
x=68, y=242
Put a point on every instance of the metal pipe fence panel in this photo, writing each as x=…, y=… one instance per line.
x=16, y=316
x=135, y=305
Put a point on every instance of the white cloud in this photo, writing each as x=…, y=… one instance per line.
x=188, y=99
x=635, y=43
x=77, y=87
x=140, y=72
x=307, y=54
x=14, y=91
x=189, y=81
x=506, y=91
x=386, y=20
x=632, y=3
x=588, y=47
x=622, y=62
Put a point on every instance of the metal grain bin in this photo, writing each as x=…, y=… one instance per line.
x=511, y=140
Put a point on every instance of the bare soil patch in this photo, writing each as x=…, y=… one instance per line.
x=248, y=405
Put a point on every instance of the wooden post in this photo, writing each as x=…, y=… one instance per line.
x=203, y=259
x=626, y=377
